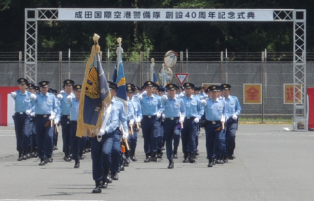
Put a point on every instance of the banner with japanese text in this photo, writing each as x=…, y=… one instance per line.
x=288, y=93
x=157, y=14
x=252, y=93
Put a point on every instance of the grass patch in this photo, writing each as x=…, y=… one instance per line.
x=244, y=120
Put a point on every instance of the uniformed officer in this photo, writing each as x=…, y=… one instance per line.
x=116, y=148
x=65, y=117
x=45, y=110
x=151, y=110
x=174, y=111
x=233, y=109
x=194, y=112
x=21, y=117
x=137, y=119
x=161, y=138
x=74, y=110
x=214, y=109
x=33, y=138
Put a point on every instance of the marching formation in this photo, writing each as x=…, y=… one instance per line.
x=165, y=116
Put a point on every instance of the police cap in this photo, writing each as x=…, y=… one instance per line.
x=112, y=85
x=77, y=87
x=225, y=86
x=171, y=87
x=22, y=81
x=188, y=85
x=68, y=82
x=43, y=84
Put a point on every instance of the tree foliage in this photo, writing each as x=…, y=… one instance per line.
x=158, y=37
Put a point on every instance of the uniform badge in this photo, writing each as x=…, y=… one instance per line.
x=68, y=81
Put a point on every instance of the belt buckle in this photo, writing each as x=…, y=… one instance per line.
x=172, y=118
x=21, y=112
x=149, y=117
x=68, y=116
x=188, y=117
x=213, y=122
x=44, y=116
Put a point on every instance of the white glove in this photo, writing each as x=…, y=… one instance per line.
x=69, y=98
x=203, y=102
x=52, y=117
x=181, y=120
x=131, y=122
x=181, y=95
x=56, y=121
x=164, y=98
x=163, y=116
x=234, y=117
x=27, y=112
x=222, y=119
x=101, y=132
x=13, y=94
x=62, y=91
x=158, y=114
x=144, y=93
x=32, y=114
x=33, y=96
x=140, y=97
x=59, y=96
x=125, y=135
x=99, y=137
x=196, y=120
x=138, y=120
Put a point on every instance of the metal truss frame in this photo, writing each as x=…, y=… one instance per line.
x=298, y=17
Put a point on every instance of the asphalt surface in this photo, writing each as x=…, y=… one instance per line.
x=272, y=163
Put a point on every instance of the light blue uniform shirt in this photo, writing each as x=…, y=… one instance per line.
x=173, y=107
x=74, y=109
x=130, y=111
x=232, y=106
x=214, y=110
x=137, y=109
x=65, y=108
x=117, y=117
x=45, y=105
x=58, y=115
x=193, y=107
x=23, y=101
x=151, y=105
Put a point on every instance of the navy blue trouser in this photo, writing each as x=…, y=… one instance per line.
x=116, y=151
x=75, y=141
x=102, y=154
x=231, y=128
x=188, y=135
x=160, y=138
x=171, y=132
x=65, y=123
x=82, y=143
x=22, y=131
x=33, y=138
x=212, y=137
x=133, y=141
x=150, y=129
x=44, y=136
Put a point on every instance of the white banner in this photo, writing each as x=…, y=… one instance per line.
x=131, y=14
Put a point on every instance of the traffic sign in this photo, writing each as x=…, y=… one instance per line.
x=181, y=77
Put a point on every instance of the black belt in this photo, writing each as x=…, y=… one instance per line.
x=172, y=118
x=213, y=122
x=19, y=113
x=75, y=122
x=65, y=116
x=43, y=115
x=149, y=117
x=190, y=117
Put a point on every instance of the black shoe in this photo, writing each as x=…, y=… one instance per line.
x=49, y=160
x=81, y=157
x=171, y=164
x=219, y=161
x=133, y=158
x=191, y=158
x=103, y=184
x=77, y=163
x=231, y=157
x=20, y=158
x=225, y=159
x=115, y=176
x=185, y=156
x=175, y=156
x=42, y=162
x=122, y=168
x=210, y=163
x=97, y=188
x=154, y=158
x=109, y=180
x=147, y=160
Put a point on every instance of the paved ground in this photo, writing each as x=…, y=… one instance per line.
x=272, y=164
